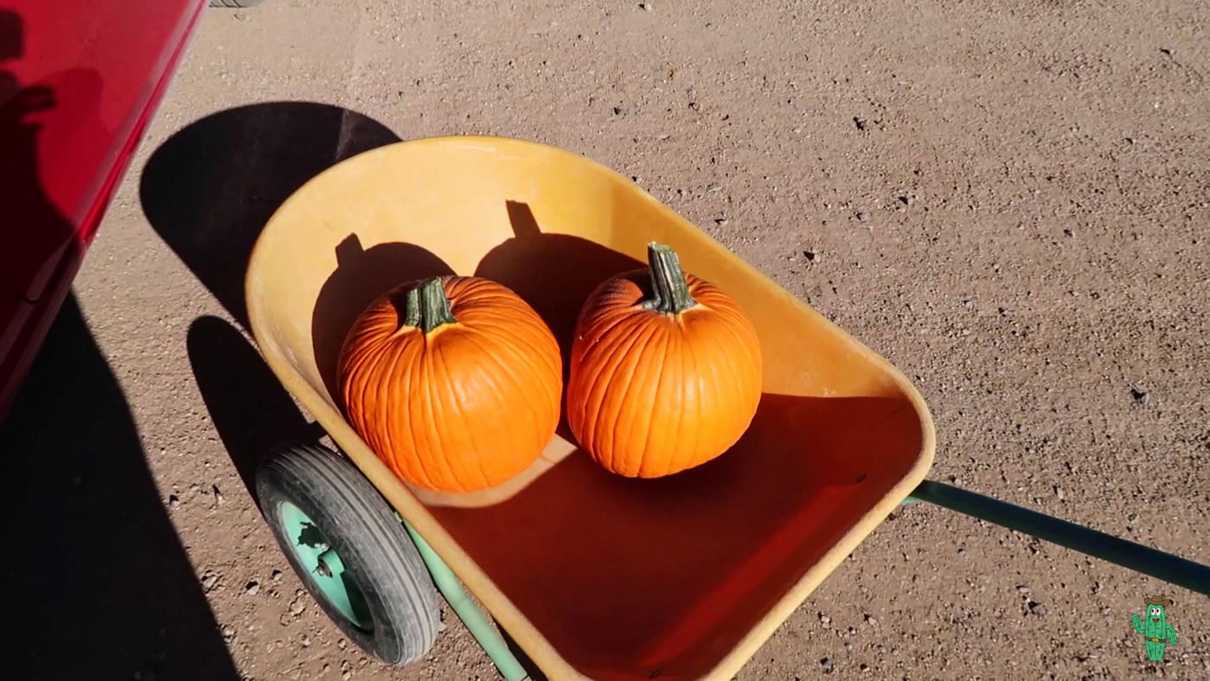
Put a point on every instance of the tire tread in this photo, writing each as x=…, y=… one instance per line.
x=367, y=526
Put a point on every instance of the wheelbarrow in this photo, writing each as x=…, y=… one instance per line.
x=589, y=574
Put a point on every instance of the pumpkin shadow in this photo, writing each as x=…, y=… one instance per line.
x=554, y=273
x=663, y=577
x=360, y=277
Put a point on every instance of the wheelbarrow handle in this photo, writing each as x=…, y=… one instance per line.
x=1144, y=559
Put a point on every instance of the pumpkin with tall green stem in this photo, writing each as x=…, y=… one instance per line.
x=454, y=382
x=665, y=371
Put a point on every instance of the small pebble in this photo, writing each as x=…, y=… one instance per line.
x=1139, y=395
x=869, y=619
x=252, y=588
x=1037, y=609
x=825, y=620
x=209, y=581
x=275, y=575
x=645, y=6
x=299, y=603
x=861, y=216
x=174, y=501
x=826, y=663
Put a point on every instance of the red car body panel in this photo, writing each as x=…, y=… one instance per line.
x=79, y=81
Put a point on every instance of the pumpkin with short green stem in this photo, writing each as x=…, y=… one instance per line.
x=454, y=382
x=665, y=371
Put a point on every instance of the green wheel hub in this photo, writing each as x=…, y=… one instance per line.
x=323, y=567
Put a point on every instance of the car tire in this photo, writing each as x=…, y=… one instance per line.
x=234, y=4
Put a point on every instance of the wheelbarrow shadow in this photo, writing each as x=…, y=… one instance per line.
x=210, y=188
x=263, y=416
x=208, y=192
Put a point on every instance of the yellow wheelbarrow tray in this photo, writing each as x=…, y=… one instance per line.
x=591, y=574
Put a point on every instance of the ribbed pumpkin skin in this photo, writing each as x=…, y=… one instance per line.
x=467, y=405
x=652, y=393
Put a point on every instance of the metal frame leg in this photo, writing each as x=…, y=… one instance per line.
x=475, y=619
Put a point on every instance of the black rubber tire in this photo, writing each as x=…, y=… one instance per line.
x=365, y=532
x=234, y=4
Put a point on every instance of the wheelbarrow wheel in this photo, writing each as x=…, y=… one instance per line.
x=351, y=552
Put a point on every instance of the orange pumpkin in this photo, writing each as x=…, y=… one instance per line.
x=454, y=382
x=665, y=371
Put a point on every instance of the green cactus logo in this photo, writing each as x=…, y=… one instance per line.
x=1153, y=625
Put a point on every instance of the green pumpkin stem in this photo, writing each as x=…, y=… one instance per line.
x=670, y=291
x=427, y=307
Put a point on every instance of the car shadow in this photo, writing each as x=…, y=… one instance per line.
x=99, y=584
x=103, y=587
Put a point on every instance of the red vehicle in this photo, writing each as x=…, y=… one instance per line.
x=79, y=81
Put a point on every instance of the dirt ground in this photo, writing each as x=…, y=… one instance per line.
x=1008, y=199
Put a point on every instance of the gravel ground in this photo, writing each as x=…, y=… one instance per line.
x=1009, y=199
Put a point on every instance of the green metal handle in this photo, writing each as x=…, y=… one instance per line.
x=1144, y=559
x=475, y=620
